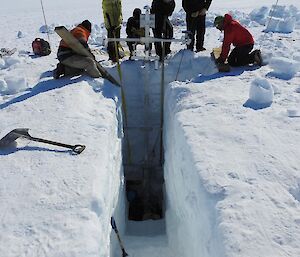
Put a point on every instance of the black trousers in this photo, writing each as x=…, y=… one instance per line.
x=197, y=28
x=163, y=29
x=241, y=56
x=111, y=45
x=131, y=45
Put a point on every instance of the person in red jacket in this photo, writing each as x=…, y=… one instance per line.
x=241, y=38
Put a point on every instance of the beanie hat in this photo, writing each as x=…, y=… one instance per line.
x=137, y=12
x=218, y=21
x=87, y=25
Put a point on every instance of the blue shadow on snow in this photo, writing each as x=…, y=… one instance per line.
x=11, y=150
x=235, y=71
x=256, y=106
x=42, y=87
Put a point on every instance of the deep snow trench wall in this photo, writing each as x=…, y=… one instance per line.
x=190, y=215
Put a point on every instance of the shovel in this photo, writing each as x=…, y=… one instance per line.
x=23, y=133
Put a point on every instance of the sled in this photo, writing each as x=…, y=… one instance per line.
x=222, y=67
x=77, y=47
x=23, y=133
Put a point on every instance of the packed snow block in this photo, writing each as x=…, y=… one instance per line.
x=282, y=19
x=3, y=85
x=279, y=11
x=261, y=91
x=222, y=67
x=284, y=68
x=259, y=15
x=2, y=63
x=260, y=95
x=47, y=29
x=9, y=61
x=292, y=113
x=15, y=84
x=281, y=25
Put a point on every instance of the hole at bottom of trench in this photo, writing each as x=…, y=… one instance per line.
x=145, y=195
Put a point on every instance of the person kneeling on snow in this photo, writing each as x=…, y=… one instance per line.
x=76, y=62
x=133, y=30
x=241, y=38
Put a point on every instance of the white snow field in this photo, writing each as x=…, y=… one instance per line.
x=231, y=141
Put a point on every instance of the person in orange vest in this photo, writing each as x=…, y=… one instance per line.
x=241, y=38
x=70, y=59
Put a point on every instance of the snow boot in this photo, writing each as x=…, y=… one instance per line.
x=257, y=57
x=60, y=70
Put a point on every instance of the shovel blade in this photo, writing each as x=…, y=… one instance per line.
x=13, y=136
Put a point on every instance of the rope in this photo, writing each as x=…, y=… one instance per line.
x=179, y=65
x=162, y=104
x=122, y=93
x=45, y=20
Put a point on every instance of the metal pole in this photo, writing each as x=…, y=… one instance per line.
x=45, y=20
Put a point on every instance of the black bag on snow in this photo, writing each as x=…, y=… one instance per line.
x=41, y=47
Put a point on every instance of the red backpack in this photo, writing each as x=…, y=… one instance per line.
x=41, y=47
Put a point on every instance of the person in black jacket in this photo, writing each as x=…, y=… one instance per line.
x=195, y=21
x=133, y=29
x=163, y=27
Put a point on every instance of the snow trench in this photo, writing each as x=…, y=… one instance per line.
x=191, y=213
x=189, y=223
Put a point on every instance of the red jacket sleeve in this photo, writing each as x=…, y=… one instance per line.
x=228, y=38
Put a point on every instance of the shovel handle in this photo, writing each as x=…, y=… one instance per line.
x=75, y=148
x=78, y=148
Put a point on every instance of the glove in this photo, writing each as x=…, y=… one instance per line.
x=195, y=14
x=203, y=12
x=133, y=30
x=220, y=61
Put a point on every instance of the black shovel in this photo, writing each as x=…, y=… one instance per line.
x=23, y=133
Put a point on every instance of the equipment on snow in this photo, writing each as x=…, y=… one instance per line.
x=7, y=52
x=215, y=54
x=77, y=47
x=114, y=227
x=147, y=21
x=41, y=47
x=23, y=133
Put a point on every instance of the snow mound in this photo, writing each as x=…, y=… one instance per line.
x=284, y=68
x=20, y=34
x=47, y=29
x=12, y=85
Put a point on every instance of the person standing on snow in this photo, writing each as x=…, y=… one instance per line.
x=68, y=58
x=112, y=13
x=241, y=38
x=163, y=27
x=195, y=21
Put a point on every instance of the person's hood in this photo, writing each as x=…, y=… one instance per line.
x=227, y=19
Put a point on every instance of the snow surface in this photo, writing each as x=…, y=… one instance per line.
x=231, y=165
